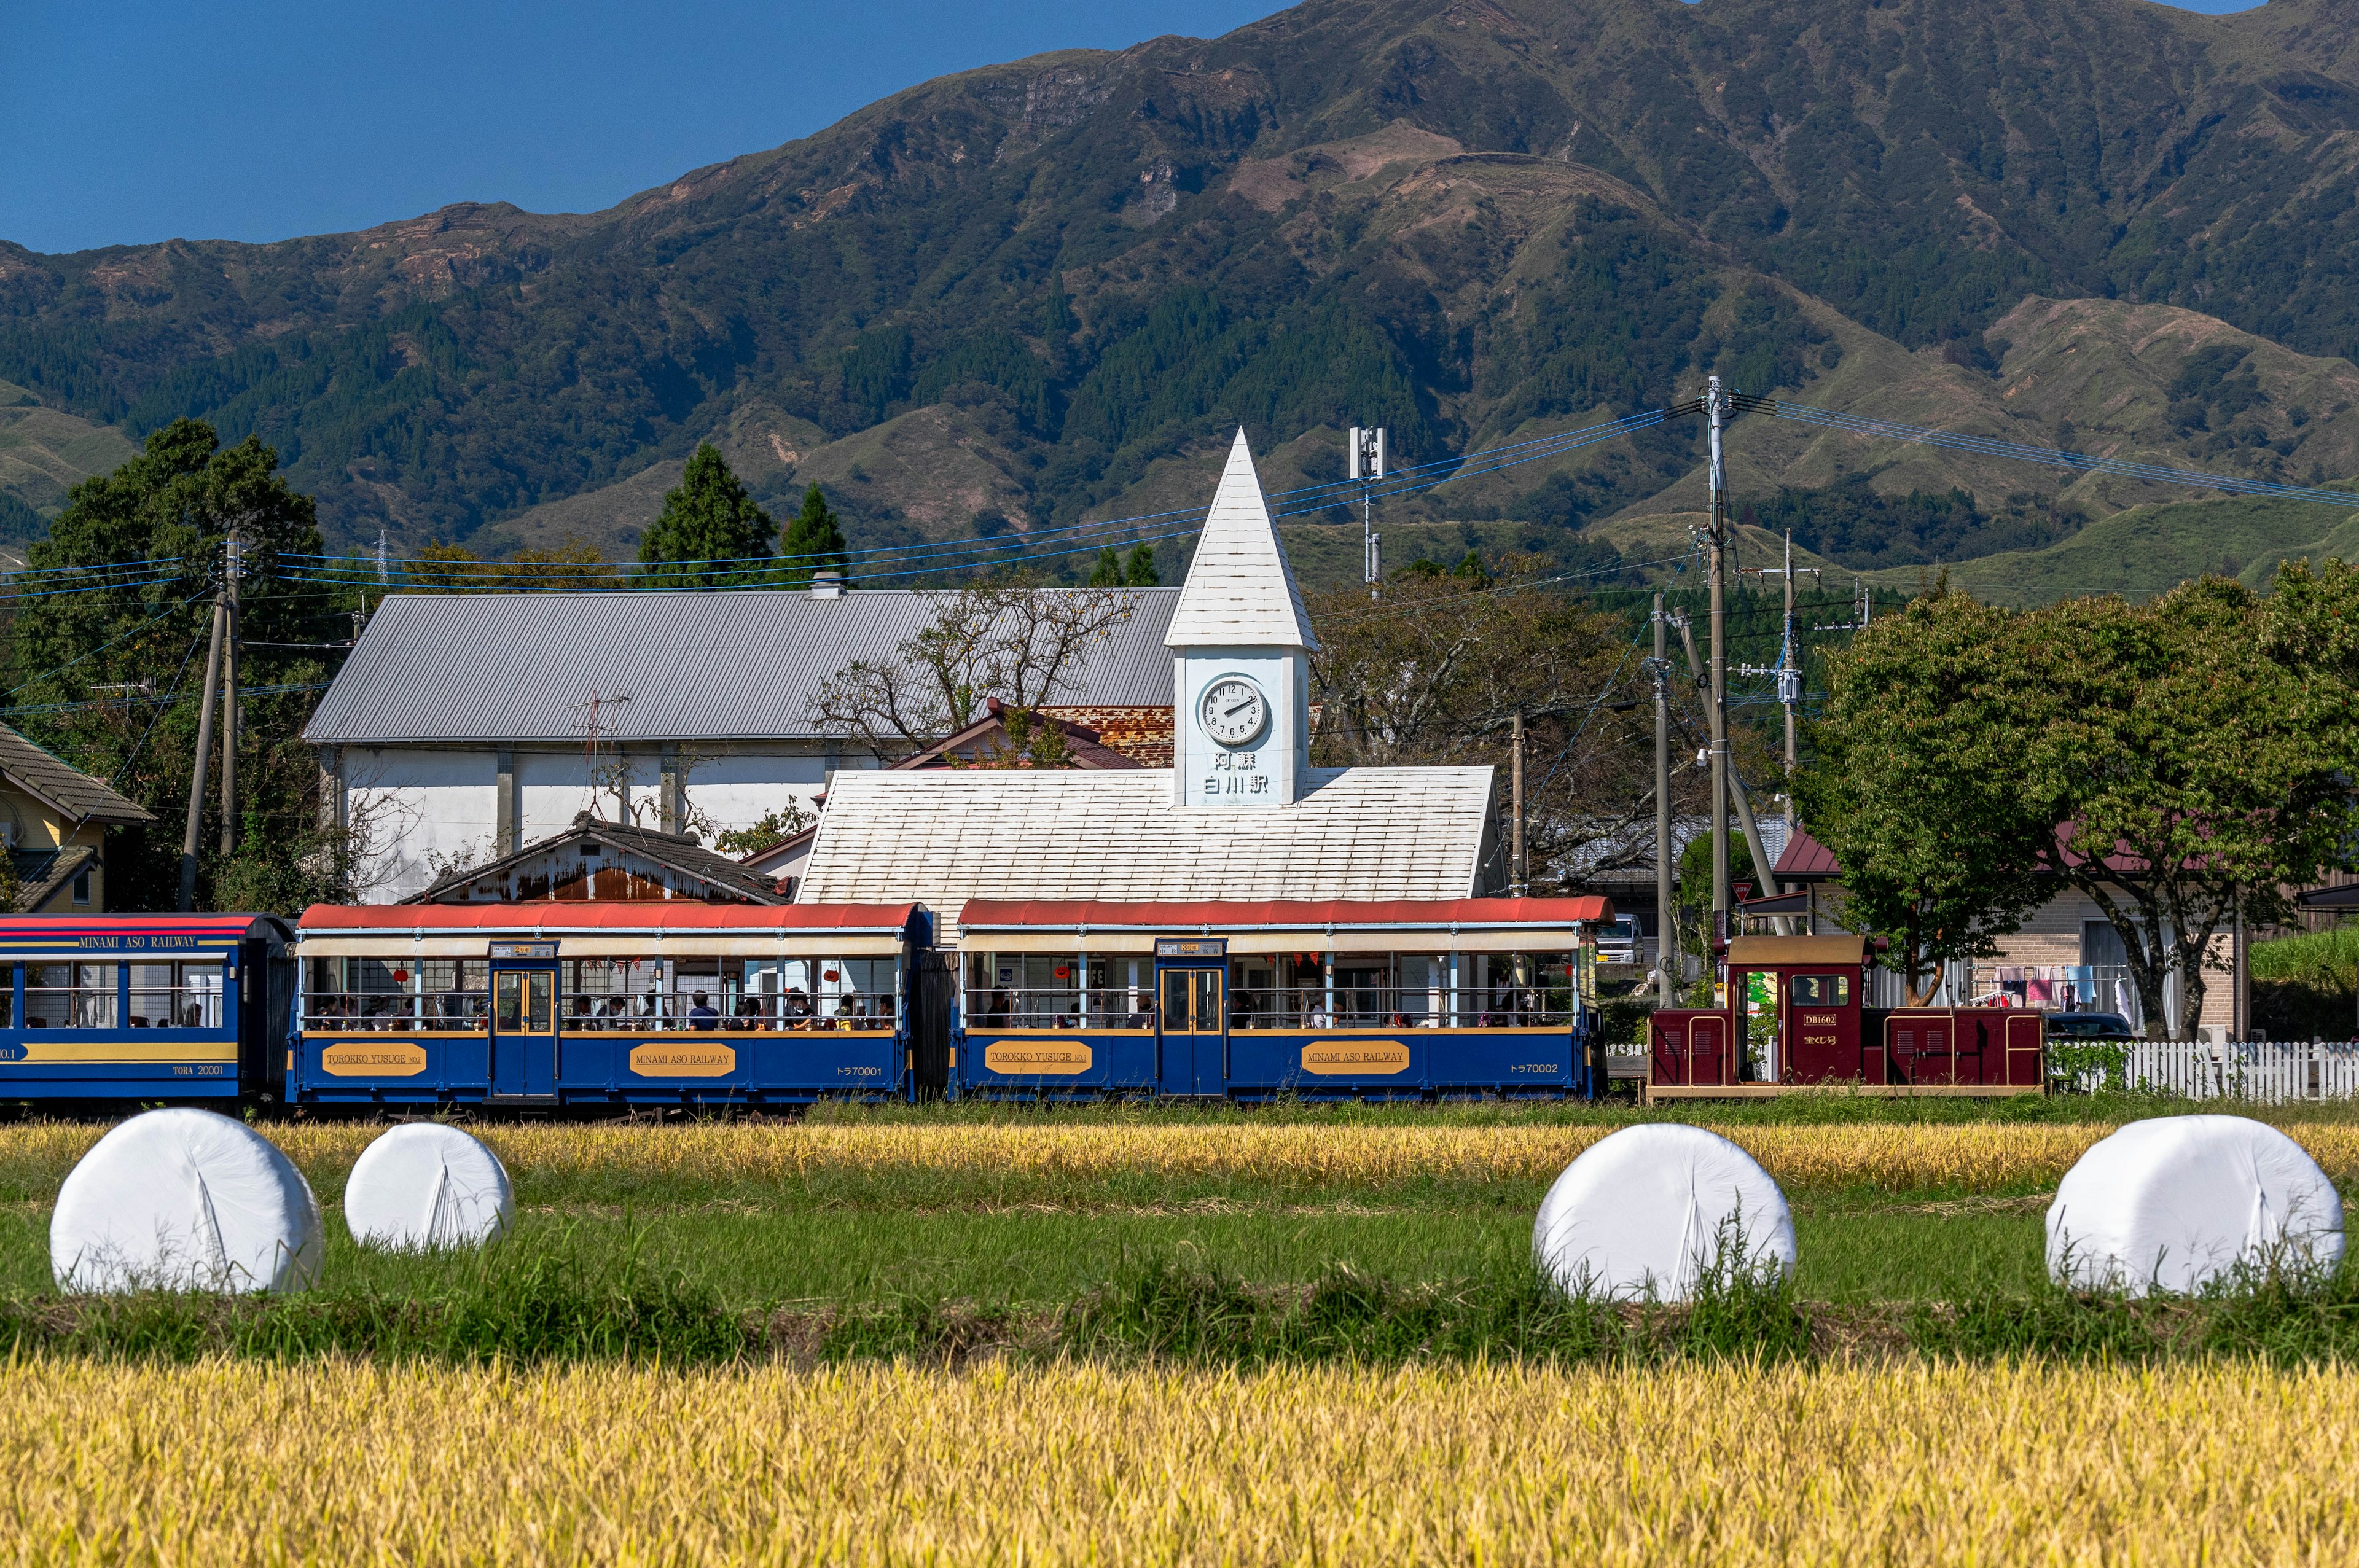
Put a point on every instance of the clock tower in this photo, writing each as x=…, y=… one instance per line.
x=1241, y=644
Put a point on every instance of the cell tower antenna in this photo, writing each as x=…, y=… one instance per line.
x=1367, y=458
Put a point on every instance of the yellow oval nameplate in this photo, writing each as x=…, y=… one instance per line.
x=1352, y=1058
x=683, y=1059
x=373, y=1059
x=1037, y=1057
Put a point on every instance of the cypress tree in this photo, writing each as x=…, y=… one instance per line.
x=1108, y=572
x=814, y=541
x=1141, y=573
x=706, y=517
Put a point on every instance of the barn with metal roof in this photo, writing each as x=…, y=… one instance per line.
x=464, y=725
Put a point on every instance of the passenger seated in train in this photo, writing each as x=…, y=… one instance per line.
x=749, y=1014
x=585, y=1014
x=1241, y=1010
x=796, y=1010
x=700, y=1014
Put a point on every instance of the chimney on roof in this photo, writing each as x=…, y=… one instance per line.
x=827, y=585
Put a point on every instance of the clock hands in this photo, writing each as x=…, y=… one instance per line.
x=1240, y=708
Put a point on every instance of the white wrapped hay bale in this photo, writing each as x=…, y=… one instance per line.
x=2179, y=1202
x=184, y=1200
x=426, y=1185
x=1653, y=1209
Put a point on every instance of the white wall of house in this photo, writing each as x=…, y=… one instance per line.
x=424, y=804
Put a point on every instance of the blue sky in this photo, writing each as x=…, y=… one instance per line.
x=141, y=120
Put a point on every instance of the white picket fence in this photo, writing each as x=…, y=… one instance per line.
x=2259, y=1072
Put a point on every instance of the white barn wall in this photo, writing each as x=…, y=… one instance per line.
x=444, y=802
x=737, y=787
x=418, y=803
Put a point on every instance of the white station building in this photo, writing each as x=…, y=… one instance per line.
x=1241, y=815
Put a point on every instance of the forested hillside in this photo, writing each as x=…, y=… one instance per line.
x=1010, y=297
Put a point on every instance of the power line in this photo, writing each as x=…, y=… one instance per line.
x=2050, y=457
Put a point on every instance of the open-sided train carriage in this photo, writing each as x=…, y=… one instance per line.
x=1250, y=1001
x=582, y=1005
x=1797, y=1015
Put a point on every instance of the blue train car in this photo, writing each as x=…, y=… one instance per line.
x=1315, y=999
x=145, y=1007
x=557, y=1005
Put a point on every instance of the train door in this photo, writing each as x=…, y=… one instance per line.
x=935, y=994
x=2024, y=1034
x=1822, y=1034
x=1191, y=1019
x=523, y=1020
x=1708, y=1049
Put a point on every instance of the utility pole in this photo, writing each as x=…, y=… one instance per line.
x=1789, y=679
x=1518, y=876
x=1718, y=538
x=236, y=564
x=1665, y=955
x=1367, y=456
x=1789, y=667
x=204, y=753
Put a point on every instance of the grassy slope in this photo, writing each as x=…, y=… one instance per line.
x=2147, y=549
x=44, y=453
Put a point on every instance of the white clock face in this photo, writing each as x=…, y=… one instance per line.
x=1234, y=711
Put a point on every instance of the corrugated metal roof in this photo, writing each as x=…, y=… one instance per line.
x=722, y=665
x=941, y=838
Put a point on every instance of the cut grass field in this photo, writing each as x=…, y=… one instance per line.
x=1026, y=1210
x=1723, y=1465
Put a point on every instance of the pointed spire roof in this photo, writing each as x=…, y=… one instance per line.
x=1240, y=591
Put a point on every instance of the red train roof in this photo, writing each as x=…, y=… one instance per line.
x=1317, y=914
x=113, y=927
x=650, y=915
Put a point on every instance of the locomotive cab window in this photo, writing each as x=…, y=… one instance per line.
x=1821, y=990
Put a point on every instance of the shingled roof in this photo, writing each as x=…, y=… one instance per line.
x=1240, y=591
x=63, y=787
x=945, y=836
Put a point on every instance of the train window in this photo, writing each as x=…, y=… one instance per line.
x=1192, y=1001
x=175, y=996
x=1821, y=990
x=69, y=996
x=522, y=1000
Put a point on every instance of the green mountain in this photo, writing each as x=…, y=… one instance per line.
x=1016, y=296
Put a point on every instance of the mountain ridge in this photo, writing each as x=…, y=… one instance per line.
x=1468, y=220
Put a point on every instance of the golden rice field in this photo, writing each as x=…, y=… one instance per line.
x=1720, y=1465
x=1970, y=1155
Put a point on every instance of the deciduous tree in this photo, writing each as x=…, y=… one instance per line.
x=2196, y=763
x=1916, y=788
x=1011, y=639
x=108, y=677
